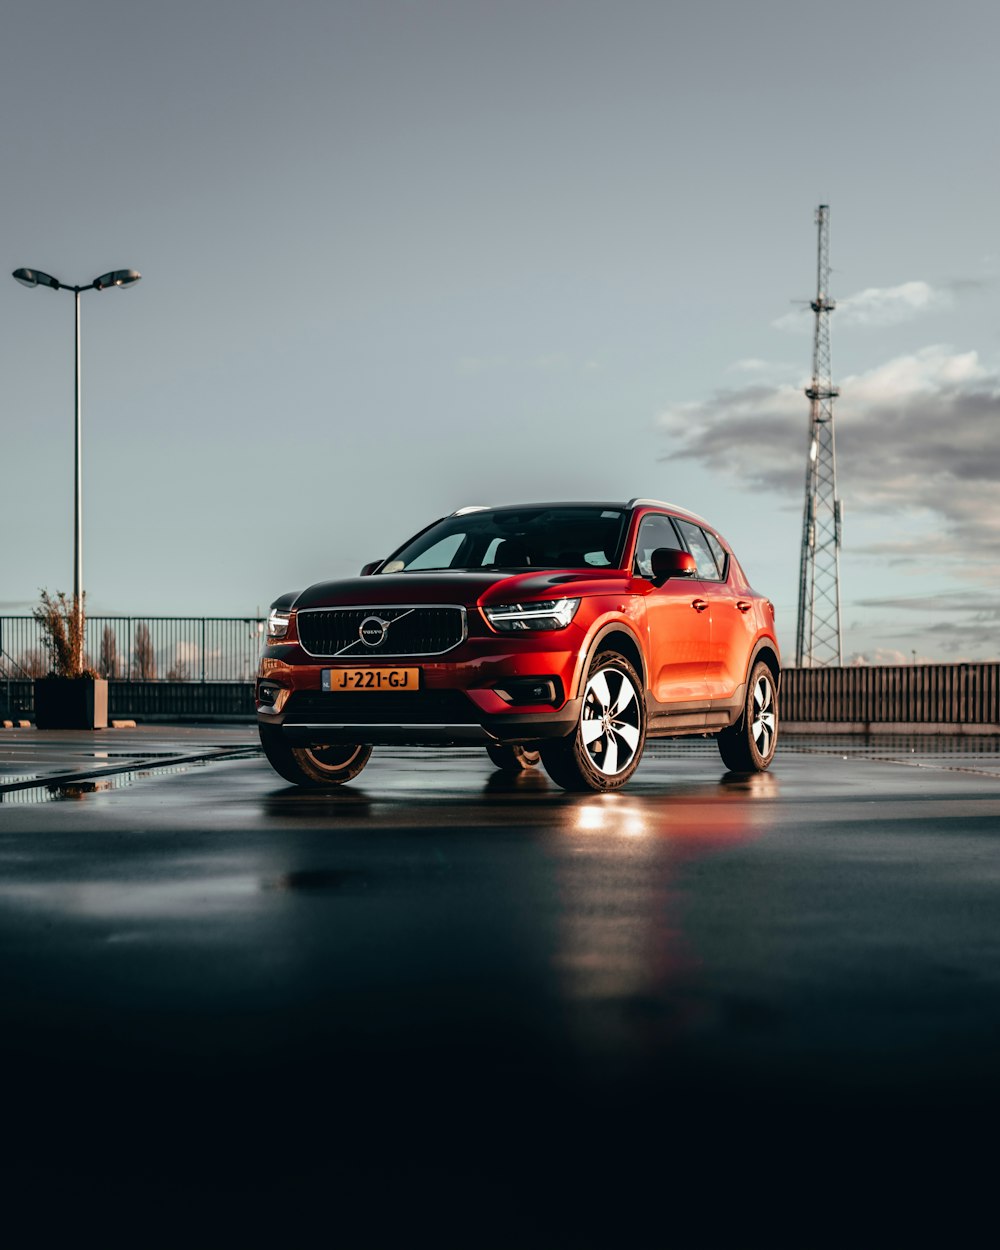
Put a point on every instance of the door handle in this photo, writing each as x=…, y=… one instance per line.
x=699, y=605
x=743, y=606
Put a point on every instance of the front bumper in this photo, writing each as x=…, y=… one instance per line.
x=466, y=700
x=510, y=730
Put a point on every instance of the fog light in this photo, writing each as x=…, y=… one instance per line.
x=530, y=690
x=267, y=693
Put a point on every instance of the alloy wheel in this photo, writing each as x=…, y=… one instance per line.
x=763, y=722
x=611, y=722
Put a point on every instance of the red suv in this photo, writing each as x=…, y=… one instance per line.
x=562, y=632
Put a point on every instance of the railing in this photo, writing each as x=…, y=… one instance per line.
x=172, y=702
x=186, y=668
x=143, y=648
x=919, y=694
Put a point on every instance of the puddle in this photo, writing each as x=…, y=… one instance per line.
x=135, y=900
x=356, y=881
x=133, y=755
x=53, y=787
x=59, y=791
x=328, y=879
x=963, y=753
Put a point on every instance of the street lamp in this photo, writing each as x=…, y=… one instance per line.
x=116, y=277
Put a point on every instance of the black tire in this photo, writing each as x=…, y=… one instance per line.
x=749, y=745
x=602, y=755
x=516, y=759
x=314, y=767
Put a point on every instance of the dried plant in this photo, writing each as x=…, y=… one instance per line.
x=62, y=620
x=144, y=657
x=109, y=664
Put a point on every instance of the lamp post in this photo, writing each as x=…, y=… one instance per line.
x=119, y=278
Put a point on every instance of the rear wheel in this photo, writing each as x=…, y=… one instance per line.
x=315, y=767
x=606, y=747
x=748, y=746
x=513, y=759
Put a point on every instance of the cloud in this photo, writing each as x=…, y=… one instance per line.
x=881, y=655
x=953, y=637
x=986, y=609
x=887, y=306
x=916, y=435
x=961, y=640
x=876, y=307
x=964, y=286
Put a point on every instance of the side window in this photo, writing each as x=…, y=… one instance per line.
x=700, y=548
x=654, y=531
x=721, y=559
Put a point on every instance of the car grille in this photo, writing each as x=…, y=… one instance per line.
x=426, y=707
x=335, y=632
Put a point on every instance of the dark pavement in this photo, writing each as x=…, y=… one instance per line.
x=440, y=1006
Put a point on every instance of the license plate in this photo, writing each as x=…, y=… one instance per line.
x=338, y=679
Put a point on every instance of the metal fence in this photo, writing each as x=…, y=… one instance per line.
x=171, y=702
x=143, y=648
x=184, y=667
x=919, y=694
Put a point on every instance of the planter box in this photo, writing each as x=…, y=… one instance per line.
x=71, y=703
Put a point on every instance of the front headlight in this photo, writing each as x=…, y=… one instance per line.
x=548, y=614
x=277, y=623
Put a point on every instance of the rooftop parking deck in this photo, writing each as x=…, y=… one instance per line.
x=528, y=1017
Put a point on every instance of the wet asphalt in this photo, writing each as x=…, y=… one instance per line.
x=442, y=1005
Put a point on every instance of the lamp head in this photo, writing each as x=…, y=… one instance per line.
x=117, y=277
x=35, y=277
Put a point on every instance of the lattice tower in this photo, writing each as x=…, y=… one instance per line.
x=818, y=633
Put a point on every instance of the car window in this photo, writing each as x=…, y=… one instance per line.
x=700, y=548
x=721, y=558
x=545, y=537
x=655, y=531
x=439, y=556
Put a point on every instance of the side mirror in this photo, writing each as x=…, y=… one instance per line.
x=368, y=569
x=667, y=562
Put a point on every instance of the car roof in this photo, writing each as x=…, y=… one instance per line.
x=669, y=507
x=632, y=506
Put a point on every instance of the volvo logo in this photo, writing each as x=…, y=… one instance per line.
x=372, y=631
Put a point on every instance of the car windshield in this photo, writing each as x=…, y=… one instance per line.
x=571, y=536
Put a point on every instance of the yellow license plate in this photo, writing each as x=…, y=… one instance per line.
x=338, y=679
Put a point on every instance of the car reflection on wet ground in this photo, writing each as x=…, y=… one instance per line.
x=451, y=1003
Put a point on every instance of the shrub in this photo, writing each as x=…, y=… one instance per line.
x=62, y=633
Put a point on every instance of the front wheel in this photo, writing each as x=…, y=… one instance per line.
x=606, y=747
x=314, y=767
x=748, y=746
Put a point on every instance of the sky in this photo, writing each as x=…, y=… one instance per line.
x=401, y=256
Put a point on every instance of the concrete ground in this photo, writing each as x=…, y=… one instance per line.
x=442, y=1005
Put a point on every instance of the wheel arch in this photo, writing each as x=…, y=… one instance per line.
x=618, y=637
x=766, y=653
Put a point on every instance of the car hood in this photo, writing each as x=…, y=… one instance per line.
x=468, y=589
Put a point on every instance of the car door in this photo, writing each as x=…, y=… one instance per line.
x=732, y=620
x=677, y=619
